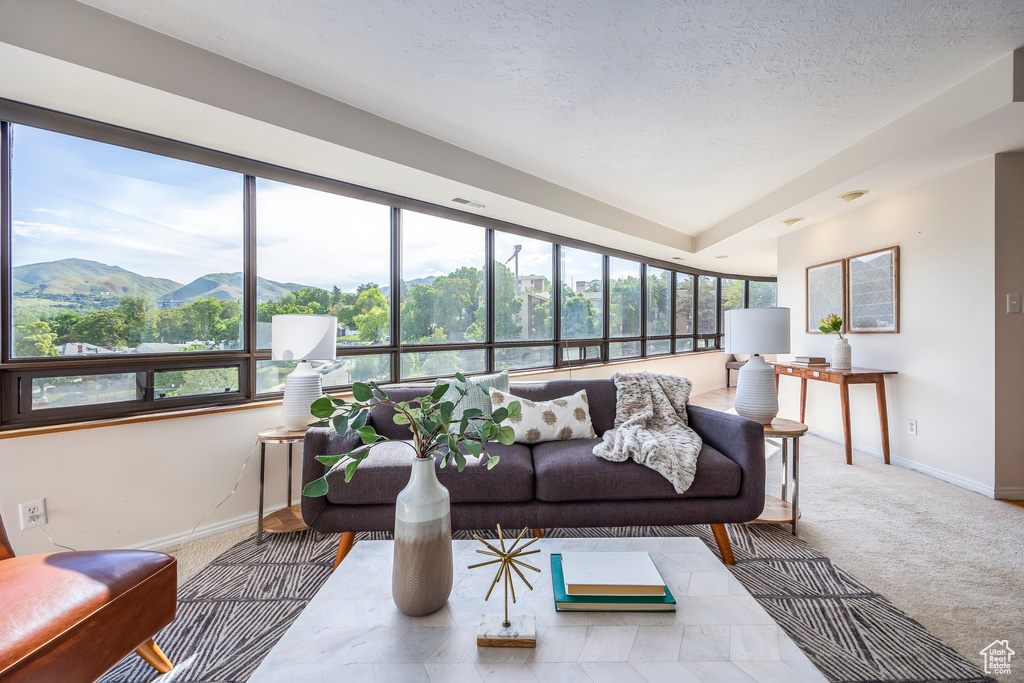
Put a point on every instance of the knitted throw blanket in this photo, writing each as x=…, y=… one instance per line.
x=650, y=426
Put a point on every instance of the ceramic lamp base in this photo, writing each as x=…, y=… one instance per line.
x=756, y=396
x=301, y=388
x=521, y=631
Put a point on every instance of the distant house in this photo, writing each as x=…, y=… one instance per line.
x=82, y=349
x=158, y=347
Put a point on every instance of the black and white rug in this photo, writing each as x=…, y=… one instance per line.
x=234, y=610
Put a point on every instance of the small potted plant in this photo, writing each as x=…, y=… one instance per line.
x=423, y=573
x=841, y=352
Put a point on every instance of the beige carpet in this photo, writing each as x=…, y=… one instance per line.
x=950, y=558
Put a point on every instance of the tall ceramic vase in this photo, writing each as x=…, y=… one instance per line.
x=422, y=576
x=841, y=355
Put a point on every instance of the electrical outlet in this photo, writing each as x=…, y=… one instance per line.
x=1013, y=303
x=32, y=513
x=912, y=427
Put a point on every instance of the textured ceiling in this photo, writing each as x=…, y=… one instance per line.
x=681, y=112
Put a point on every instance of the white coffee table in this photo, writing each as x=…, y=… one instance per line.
x=352, y=632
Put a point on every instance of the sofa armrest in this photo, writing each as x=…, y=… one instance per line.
x=322, y=441
x=739, y=439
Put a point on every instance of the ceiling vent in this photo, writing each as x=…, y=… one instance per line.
x=469, y=202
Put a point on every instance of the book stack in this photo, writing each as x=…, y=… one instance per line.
x=810, y=362
x=609, y=582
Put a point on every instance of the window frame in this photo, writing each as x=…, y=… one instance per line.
x=15, y=371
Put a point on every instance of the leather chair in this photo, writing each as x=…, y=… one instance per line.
x=70, y=617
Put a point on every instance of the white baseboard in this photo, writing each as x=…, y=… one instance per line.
x=172, y=540
x=954, y=479
x=1010, y=492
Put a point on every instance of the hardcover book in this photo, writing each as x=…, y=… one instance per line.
x=605, y=603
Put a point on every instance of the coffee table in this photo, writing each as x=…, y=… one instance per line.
x=351, y=630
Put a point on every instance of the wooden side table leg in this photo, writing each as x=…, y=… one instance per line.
x=776, y=382
x=803, y=397
x=844, y=400
x=883, y=417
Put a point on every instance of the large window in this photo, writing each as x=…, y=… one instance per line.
x=116, y=251
x=624, y=301
x=444, y=289
x=523, y=277
x=135, y=280
x=763, y=294
x=296, y=227
x=582, y=294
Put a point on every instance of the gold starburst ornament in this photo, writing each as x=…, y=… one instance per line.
x=519, y=630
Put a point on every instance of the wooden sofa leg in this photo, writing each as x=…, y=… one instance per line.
x=724, y=546
x=150, y=652
x=344, y=545
x=538, y=533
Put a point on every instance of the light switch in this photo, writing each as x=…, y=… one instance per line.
x=1013, y=303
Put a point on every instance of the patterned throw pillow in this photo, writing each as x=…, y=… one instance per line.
x=560, y=419
x=474, y=397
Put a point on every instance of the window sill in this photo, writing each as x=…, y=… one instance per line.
x=266, y=403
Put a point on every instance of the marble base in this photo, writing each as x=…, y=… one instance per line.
x=521, y=631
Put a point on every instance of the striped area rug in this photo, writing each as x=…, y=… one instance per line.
x=233, y=611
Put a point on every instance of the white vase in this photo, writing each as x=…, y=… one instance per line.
x=841, y=355
x=422, y=574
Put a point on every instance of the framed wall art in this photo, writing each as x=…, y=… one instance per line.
x=825, y=293
x=874, y=291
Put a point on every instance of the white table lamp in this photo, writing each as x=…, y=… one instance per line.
x=302, y=338
x=756, y=331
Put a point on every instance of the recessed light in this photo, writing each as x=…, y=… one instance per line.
x=850, y=196
x=793, y=221
x=723, y=256
x=677, y=258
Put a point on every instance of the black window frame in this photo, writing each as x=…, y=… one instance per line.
x=15, y=371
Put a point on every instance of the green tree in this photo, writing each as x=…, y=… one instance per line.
x=34, y=338
x=134, y=312
x=64, y=326
x=104, y=328
x=202, y=319
x=508, y=303
x=373, y=325
x=624, y=307
x=580, y=319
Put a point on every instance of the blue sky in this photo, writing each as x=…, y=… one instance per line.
x=162, y=217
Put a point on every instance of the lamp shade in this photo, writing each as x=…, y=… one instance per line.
x=304, y=337
x=757, y=330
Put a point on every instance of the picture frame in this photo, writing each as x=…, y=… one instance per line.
x=873, y=292
x=824, y=293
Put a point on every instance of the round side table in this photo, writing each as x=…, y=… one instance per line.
x=779, y=510
x=289, y=518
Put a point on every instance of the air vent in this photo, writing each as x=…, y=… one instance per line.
x=469, y=202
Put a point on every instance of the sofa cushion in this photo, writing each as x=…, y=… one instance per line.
x=601, y=395
x=560, y=419
x=386, y=472
x=476, y=392
x=569, y=471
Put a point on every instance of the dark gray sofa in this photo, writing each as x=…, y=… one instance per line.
x=554, y=484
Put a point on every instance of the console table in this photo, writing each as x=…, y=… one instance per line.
x=844, y=378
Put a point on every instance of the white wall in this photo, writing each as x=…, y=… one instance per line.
x=944, y=351
x=148, y=484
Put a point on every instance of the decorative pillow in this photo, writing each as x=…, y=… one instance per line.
x=474, y=397
x=559, y=419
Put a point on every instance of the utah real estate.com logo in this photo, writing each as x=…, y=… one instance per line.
x=997, y=658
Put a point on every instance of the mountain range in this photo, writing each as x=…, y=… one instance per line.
x=80, y=276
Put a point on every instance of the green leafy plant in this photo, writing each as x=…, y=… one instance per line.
x=429, y=419
x=831, y=324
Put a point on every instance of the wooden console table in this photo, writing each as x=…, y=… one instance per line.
x=844, y=378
